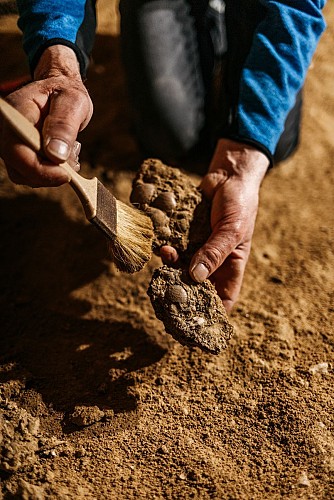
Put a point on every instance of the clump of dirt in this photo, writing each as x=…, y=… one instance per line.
x=180, y=213
x=19, y=433
x=191, y=312
x=86, y=415
x=25, y=454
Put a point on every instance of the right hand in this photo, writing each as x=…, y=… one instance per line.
x=58, y=104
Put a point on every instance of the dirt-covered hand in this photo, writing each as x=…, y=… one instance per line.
x=58, y=104
x=232, y=183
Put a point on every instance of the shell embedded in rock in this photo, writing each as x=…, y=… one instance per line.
x=176, y=294
x=143, y=193
x=165, y=201
x=182, y=225
x=191, y=312
x=159, y=218
x=186, y=211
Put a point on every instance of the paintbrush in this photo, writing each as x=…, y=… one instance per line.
x=129, y=232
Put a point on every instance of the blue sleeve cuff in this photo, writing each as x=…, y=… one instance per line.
x=48, y=22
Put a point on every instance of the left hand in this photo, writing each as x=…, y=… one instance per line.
x=232, y=183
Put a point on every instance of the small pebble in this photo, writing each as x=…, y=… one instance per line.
x=199, y=320
x=303, y=480
x=158, y=217
x=319, y=368
x=165, y=233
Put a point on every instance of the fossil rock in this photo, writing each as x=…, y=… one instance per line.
x=191, y=312
x=180, y=214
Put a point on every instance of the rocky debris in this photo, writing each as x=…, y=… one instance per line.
x=303, y=480
x=83, y=416
x=27, y=491
x=19, y=433
x=16, y=382
x=180, y=214
x=191, y=312
x=320, y=368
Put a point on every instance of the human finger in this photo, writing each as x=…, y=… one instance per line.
x=69, y=113
x=169, y=255
x=229, y=276
x=222, y=241
x=25, y=167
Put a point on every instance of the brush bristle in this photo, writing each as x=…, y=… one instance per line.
x=132, y=247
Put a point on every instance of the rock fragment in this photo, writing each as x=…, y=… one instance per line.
x=82, y=416
x=303, y=480
x=191, y=312
x=19, y=433
x=320, y=368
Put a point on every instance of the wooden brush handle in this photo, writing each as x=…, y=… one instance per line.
x=86, y=189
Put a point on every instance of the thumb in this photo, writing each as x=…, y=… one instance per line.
x=69, y=112
x=213, y=253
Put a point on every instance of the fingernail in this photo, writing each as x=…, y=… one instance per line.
x=59, y=148
x=76, y=148
x=200, y=272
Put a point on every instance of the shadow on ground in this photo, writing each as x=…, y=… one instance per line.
x=67, y=359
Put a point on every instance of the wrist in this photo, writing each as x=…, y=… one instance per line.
x=237, y=159
x=57, y=60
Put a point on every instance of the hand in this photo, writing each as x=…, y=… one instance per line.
x=58, y=104
x=232, y=183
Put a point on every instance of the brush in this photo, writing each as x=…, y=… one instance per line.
x=129, y=232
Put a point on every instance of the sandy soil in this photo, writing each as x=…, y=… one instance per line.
x=80, y=344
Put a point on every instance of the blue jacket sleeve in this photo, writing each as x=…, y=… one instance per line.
x=276, y=67
x=50, y=22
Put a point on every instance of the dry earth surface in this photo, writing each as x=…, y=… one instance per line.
x=96, y=401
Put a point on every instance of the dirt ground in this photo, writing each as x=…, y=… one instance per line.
x=80, y=343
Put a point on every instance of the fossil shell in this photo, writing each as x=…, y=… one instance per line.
x=158, y=217
x=176, y=294
x=182, y=225
x=165, y=201
x=213, y=330
x=164, y=232
x=143, y=193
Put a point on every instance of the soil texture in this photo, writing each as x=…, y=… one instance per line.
x=97, y=401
